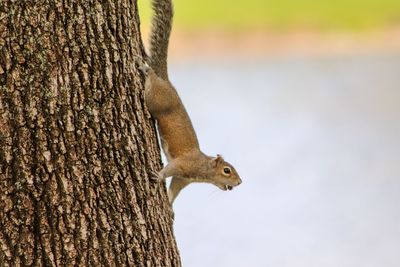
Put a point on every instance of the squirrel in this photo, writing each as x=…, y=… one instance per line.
x=186, y=162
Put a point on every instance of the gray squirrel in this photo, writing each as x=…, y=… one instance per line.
x=186, y=162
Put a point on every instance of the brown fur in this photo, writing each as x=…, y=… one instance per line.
x=186, y=163
x=176, y=131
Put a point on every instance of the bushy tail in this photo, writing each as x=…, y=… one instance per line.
x=159, y=38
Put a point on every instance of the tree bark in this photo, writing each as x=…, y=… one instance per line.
x=77, y=144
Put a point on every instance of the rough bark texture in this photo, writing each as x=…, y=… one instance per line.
x=76, y=141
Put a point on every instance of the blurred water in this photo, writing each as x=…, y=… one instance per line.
x=316, y=141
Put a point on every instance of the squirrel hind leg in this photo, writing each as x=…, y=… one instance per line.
x=143, y=66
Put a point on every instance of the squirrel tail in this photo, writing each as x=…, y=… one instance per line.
x=159, y=38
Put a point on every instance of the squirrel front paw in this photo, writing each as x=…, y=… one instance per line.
x=155, y=176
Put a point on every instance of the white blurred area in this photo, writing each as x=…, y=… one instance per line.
x=316, y=141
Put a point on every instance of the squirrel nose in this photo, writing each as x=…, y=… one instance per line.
x=240, y=181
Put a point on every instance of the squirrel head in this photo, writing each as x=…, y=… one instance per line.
x=225, y=175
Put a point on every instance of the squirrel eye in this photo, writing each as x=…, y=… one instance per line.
x=227, y=170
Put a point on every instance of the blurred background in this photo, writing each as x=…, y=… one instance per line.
x=303, y=98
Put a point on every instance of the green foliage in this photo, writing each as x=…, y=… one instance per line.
x=282, y=14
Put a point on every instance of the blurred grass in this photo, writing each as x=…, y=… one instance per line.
x=278, y=15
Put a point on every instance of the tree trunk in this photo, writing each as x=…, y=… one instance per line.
x=76, y=142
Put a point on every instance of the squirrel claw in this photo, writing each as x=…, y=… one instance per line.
x=142, y=65
x=144, y=68
x=155, y=176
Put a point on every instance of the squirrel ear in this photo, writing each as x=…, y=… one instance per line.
x=218, y=160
